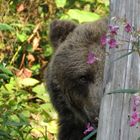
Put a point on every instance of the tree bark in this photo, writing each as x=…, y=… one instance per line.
x=121, y=74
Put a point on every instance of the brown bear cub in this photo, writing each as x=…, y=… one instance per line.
x=73, y=84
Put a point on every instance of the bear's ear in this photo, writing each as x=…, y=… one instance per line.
x=59, y=29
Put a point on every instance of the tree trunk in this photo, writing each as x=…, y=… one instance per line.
x=121, y=74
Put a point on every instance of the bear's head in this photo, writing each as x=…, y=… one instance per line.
x=74, y=84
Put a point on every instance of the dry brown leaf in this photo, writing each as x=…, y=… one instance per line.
x=37, y=28
x=30, y=57
x=35, y=44
x=24, y=73
x=20, y=7
x=35, y=31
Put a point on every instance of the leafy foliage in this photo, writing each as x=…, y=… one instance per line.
x=81, y=16
x=25, y=109
x=24, y=112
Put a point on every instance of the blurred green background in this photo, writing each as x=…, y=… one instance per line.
x=25, y=109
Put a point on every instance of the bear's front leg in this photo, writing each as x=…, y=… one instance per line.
x=70, y=130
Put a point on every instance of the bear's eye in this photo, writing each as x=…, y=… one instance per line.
x=83, y=79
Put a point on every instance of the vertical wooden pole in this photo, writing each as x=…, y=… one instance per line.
x=124, y=73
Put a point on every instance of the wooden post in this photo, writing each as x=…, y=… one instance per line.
x=121, y=74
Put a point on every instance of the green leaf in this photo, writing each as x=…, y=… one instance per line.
x=60, y=3
x=52, y=127
x=39, y=89
x=48, y=51
x=48, y=110
x=138, y=138
x=82, y=16
x=23, y=119
x=35, y=67
x=22, y=37
x=22, y=25
x=11, y=85
x=4, y=76
x=2, y=45
x=5, y=70
x=15, y=124
x=105, y=2
x=28, y=82
x=91, y=1
x=65, y=17
x=126, y=54
x=4, y=134
x=5, y=27
x=129, y=91
x=41, y=92
x=90, y=135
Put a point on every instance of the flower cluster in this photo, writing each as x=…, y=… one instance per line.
x=110, y=38
x=135, y=113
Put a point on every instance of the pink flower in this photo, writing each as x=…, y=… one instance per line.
x=91, y=58
x=134, y=119
x=132, y=122
x=137, y=100
x=89, y=128
x=112, y=43
x=103, y=40
x=135, y=114
x=113, y=29
x=128, y=28
x=106, y=41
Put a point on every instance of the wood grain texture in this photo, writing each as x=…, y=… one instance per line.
x=124, y=73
